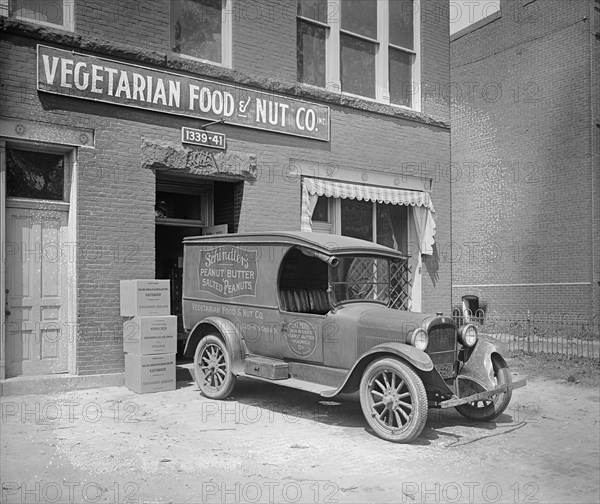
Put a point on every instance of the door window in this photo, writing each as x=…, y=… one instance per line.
x=37, y=175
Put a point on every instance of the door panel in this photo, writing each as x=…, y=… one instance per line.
x=302, y=337
x=36, y=280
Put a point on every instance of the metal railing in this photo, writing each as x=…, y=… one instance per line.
x=533, y=332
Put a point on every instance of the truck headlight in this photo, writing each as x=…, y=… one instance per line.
x=467, y=335
x=419, y=339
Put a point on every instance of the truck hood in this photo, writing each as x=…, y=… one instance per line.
x=389, y=320
x=379, y=322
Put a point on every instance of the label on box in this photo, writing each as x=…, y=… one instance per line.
x=150, y=373
x=150, y=335
x=145, y=298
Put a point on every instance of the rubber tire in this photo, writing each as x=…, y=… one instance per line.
x=418, y=398
x=226, y=386
x=498, y=404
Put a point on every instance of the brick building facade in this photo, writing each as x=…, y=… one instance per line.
x=98, y=186
x=526, y=156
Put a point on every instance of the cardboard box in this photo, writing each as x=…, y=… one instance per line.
x=150, y=373
x=150, y=335
x=145, y=298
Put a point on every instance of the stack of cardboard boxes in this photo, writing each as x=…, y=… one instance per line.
x=150, y=337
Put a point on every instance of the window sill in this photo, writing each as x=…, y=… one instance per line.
x=39, y=204
x=381, y=102
x=169, y=221
x=199, y=60
x=44, y=23
x=318, y=89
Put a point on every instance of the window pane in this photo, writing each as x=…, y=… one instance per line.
x=196, y=28
x=313, y=9
x=360, y=16
x=178, y=206
x=357, y=219
x=310, y=49
x=391, y=226
x=401, y=23
x=401, y=88
x=34, y=175
x=321, y=211
x=385, y=232
x=49, y=11
x=357, y=64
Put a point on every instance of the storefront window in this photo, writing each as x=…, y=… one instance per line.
x=382, y=223
x=197, y=29
x=391, y=226
x=36, y=175
x=357, y=219
x=321, y=211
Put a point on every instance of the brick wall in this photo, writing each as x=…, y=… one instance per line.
x=116, y=196
x=522, y=186
x=264, y=38
x=435, y=37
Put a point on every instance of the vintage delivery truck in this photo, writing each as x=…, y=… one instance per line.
x=317, y=312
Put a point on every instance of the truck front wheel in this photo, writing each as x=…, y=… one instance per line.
x=393, y=400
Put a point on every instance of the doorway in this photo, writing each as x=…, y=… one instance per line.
x=187, y=206
x=39, y=262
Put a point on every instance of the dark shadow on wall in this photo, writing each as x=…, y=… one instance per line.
x=432, y=264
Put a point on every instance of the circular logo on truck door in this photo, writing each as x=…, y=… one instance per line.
x=301, y=338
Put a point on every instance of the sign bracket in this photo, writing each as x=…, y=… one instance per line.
x=222, y=120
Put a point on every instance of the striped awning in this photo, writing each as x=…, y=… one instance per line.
x=337, y=189
x=423, y=213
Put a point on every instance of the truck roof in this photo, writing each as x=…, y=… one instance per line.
x=325, y=243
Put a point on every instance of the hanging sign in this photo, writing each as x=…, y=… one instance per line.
x=91, y=78
x=203, y=137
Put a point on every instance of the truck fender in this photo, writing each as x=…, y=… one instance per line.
x=479, y=366
x=407, y=353
x=230, y=335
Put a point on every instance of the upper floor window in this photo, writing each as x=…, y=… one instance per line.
x=367, y=48
x=55, y=13
x=201, y=29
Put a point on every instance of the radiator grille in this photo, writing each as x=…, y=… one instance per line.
x=442, y=349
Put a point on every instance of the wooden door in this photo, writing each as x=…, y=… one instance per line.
x=37, y=289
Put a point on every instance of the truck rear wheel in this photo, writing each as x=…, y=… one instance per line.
x=212, y=368
x=393, y=400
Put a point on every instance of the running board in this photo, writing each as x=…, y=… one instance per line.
x=315, y=388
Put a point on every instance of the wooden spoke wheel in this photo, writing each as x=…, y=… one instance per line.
x=212, y=368
x=393, y=400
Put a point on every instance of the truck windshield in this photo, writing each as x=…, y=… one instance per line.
x=362, y=278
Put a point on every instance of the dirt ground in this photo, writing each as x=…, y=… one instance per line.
x=272, y=444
